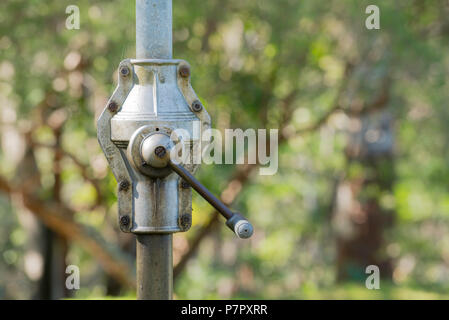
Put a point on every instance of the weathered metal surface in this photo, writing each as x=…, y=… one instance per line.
x=156, y=104
x=155, y=99
x=154, y=267
x=116, y=158
x=156, y=193
x=154, y=29
x=191, y=98
x=154, y=95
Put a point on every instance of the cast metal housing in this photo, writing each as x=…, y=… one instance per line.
x=152, y=96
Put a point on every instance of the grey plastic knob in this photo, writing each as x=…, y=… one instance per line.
x=241, y=227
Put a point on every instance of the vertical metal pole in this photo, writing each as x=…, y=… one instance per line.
x=154, y=267
x=154, y=29
x=154, y=253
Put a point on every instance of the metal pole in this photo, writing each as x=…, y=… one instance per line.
x=154, y=267
x=154, y=252
x=154, y=29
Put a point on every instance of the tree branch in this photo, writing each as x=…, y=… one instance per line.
x=81, y=166
x=58, y=218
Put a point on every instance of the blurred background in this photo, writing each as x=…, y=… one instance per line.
x=363, y=149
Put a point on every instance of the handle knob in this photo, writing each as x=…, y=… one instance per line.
x=241, y=227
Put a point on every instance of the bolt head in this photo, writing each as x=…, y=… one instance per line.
x=185, y=184
x=186, y=221
x=160, y=151
x=124, y=220
x=113, y=106
x=124, y=71
x=184, y=71
x=197, y=106
x=123, y=185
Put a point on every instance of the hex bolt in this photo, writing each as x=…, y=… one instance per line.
x=184, y=71
x=185, y=184
x=113, y=106
x=124, y=220
x=124, y=71
x=197, y=106
x=160, y=151
x=123, y=185
x=185, y=221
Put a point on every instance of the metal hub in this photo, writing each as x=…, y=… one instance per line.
x=141, y=149
x=155, y=150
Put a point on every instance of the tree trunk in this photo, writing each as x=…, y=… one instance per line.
x=361, y=212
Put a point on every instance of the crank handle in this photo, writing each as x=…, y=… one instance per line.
x=236, y=222
x=155, y=150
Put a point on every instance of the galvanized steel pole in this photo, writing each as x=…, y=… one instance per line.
x=154, y=251
x=154, y=267
x=154, y=29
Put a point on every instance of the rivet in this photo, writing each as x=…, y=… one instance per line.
x=160, y=151
x=113, y=106
x=123, y=185
x=124, y=71
x=186, y=220
x=124, y=220
x=197, y=106
x=184, y=71
x=185, y=184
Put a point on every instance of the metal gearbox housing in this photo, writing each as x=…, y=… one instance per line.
x=152, y=96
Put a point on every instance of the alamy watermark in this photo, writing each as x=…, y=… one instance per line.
x=207, y=147
x=73, y=20
x=373, y=20
x=72, y=282
x=373, y=280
